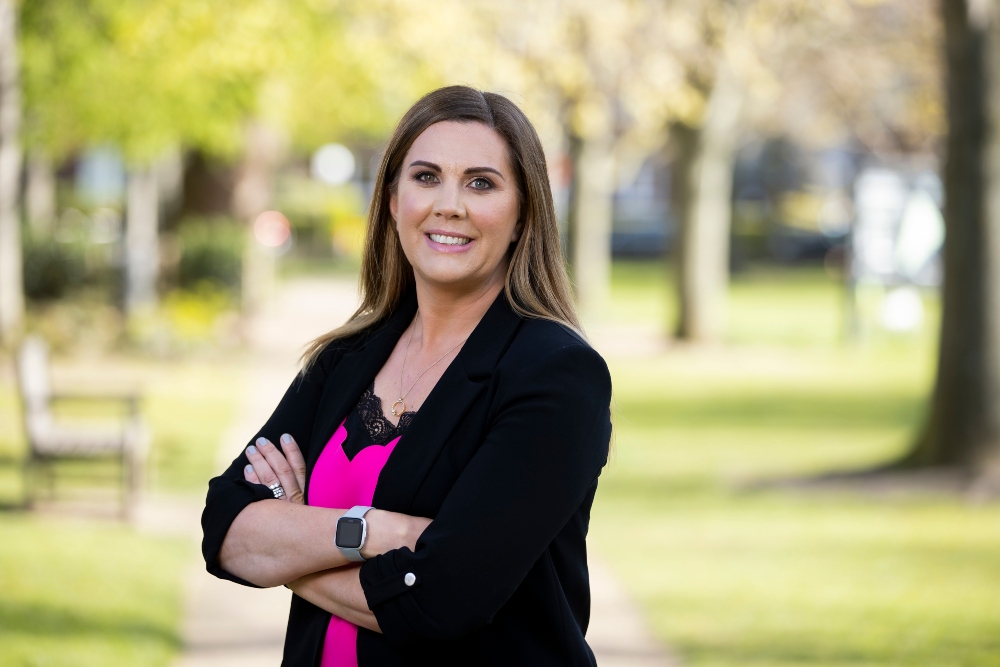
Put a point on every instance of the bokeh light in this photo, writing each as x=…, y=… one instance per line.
x=272, y=230
x=333, y=164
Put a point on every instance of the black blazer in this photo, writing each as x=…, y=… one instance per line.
x=503, y=455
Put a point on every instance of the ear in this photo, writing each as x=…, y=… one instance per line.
x=393, y=205
x=518, y=228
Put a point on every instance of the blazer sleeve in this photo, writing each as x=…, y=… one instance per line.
x=541, y=456
x=230, y=493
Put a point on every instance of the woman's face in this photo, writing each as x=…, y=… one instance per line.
x=456, y=206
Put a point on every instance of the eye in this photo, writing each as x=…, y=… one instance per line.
x=425, y=177
x=481, y=183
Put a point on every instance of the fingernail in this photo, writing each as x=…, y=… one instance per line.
x=248, y=469
x=261, y=442
x=251, y=450
x=285, y=439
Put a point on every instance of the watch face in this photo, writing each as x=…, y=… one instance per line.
x=349, y=532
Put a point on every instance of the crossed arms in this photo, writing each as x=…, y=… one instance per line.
x=272, y=542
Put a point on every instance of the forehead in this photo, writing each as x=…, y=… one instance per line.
x=451, y=144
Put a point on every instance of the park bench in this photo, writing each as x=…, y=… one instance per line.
x=52, y=439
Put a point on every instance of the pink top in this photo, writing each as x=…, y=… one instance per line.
x=341, y=482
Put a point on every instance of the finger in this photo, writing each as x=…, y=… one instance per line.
x=251, y=475
x=295, y=458
x=261, y=467
x=279, y=464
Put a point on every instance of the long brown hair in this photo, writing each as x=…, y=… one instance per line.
x=536, y=285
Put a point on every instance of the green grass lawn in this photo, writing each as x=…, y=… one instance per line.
x=732, y=577
x=96, y=592
x=87, y=594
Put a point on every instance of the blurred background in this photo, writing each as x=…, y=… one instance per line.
x=754, y=198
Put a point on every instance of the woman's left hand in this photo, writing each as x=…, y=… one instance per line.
x=268, y=465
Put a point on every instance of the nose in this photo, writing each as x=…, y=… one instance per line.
x=449, y=204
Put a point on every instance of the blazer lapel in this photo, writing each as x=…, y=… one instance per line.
x=463, y=382
x=355, y=371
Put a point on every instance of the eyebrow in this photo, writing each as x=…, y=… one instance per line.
x=470, y=170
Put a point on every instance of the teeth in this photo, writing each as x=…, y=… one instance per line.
x=448, y=240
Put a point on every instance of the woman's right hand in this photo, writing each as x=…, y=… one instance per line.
x=268, y=465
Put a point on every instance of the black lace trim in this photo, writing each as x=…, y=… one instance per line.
x=381, y=430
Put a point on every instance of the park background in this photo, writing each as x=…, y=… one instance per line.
x=754, y=196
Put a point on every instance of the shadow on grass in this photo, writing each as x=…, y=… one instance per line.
x=896, y=479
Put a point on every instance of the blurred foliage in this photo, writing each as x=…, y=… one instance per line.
x=73, y=290
x=187, y=321
x=348, y=224
x=800, y=208
x=327, y=221
x=349, y=72
x=200, y=314
x=51, y=269
x=80, y=256
x=141, y=76
x=86, y=321
x=211, y=250
x=147, y=77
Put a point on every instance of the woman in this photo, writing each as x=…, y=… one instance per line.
x=460, y=402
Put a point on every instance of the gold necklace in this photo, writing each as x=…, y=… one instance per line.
x=402, y=368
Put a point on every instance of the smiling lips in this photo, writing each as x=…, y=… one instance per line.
x=449, y=240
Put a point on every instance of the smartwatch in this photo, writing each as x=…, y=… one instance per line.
x=352, y=529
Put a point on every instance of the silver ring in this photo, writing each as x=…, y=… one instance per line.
x=277, y=490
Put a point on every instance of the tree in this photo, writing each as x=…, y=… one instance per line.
x=703, y=135
x=147, y=79
x=735, y=55
x=963, y=428
x=766, y=66
x=703, y=177
x=11, y=279
x=607, y=81
x=39, y=193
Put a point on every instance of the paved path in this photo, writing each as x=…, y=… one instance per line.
x=232, y=626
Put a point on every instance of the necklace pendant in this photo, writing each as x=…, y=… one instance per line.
x=402, y=408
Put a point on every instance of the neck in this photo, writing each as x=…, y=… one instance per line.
x=448, y=316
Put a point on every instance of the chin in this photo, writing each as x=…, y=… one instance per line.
x=453, y=279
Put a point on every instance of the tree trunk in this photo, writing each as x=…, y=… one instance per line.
x=11, y=268
x=142, y=248
x=703, y=173
x=40, y=194
x=963, y=427
x=594, y=210
x=573, y=147
x=252, y=194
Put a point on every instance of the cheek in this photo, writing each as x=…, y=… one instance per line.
x=410, y=210
x=502, y=220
